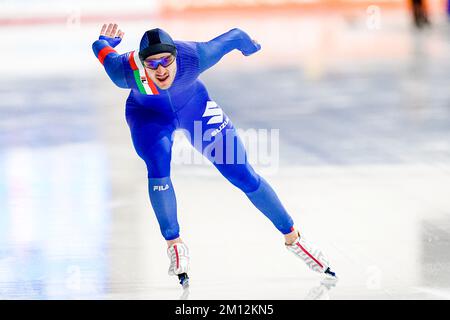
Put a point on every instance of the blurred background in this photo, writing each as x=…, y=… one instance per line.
x=360, y=93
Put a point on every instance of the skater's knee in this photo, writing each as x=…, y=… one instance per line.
x=157, y=158
x=250, y=183
x=244, y=178
x=157, y=173
x=158, y=168
x=254, y=183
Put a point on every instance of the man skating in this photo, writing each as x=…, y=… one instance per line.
x=166, y=95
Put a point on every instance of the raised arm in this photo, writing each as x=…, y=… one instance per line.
x=111, y=60
x=212, y=51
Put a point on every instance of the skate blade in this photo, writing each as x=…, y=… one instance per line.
x=185, y=284
x=184, y=280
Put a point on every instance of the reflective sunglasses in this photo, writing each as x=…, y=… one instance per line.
x=154, y=63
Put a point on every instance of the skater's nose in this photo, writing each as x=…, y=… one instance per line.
x=160, y=69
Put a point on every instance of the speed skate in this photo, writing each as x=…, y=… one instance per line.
x=178, y=254
x=314, y=258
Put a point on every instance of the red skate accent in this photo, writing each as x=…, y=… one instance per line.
x=104, y=52
x=176, y=253
x=304, y=250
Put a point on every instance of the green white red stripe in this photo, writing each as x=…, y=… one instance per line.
x=143, y=81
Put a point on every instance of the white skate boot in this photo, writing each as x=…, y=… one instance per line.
x=178, y=254
x=314, y=258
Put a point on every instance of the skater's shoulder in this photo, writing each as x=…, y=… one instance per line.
x=186, y=48
x=187, y=61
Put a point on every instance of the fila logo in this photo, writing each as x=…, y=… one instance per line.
x=214, y=111
x=143, y=79
x=161, y=188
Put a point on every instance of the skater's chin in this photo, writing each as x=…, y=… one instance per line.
x=164, y=84
x=164, y=81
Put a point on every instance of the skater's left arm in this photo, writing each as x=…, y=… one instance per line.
x=212, y=51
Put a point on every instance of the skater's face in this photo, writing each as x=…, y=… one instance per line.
x=164, y=74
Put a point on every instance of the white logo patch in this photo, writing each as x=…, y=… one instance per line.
x=161, y=188
x=214, y=111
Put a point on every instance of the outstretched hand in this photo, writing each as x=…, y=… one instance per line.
x=110, y=34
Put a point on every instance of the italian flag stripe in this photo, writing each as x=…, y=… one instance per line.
x=131, y=60
x=146, y=87
x=151, y=84
x=137, y=78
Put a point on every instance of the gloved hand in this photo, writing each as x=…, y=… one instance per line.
x=250, y=47
x=110, y=34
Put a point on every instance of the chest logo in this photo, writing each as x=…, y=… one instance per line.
x=214, y=111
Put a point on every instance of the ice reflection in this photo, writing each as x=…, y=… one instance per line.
x=320, y=292
x=185, y=294
x=54, y=222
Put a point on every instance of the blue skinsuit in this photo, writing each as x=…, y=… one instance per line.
x=155, y=114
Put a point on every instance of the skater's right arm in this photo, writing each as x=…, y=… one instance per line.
x=111, y=60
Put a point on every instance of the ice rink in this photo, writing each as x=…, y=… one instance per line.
x=363, y=168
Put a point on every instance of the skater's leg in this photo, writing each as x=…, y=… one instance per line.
x=266, y=200
x=213, y=142
x=241, y=174
x=152, y=138
x=211, y=132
